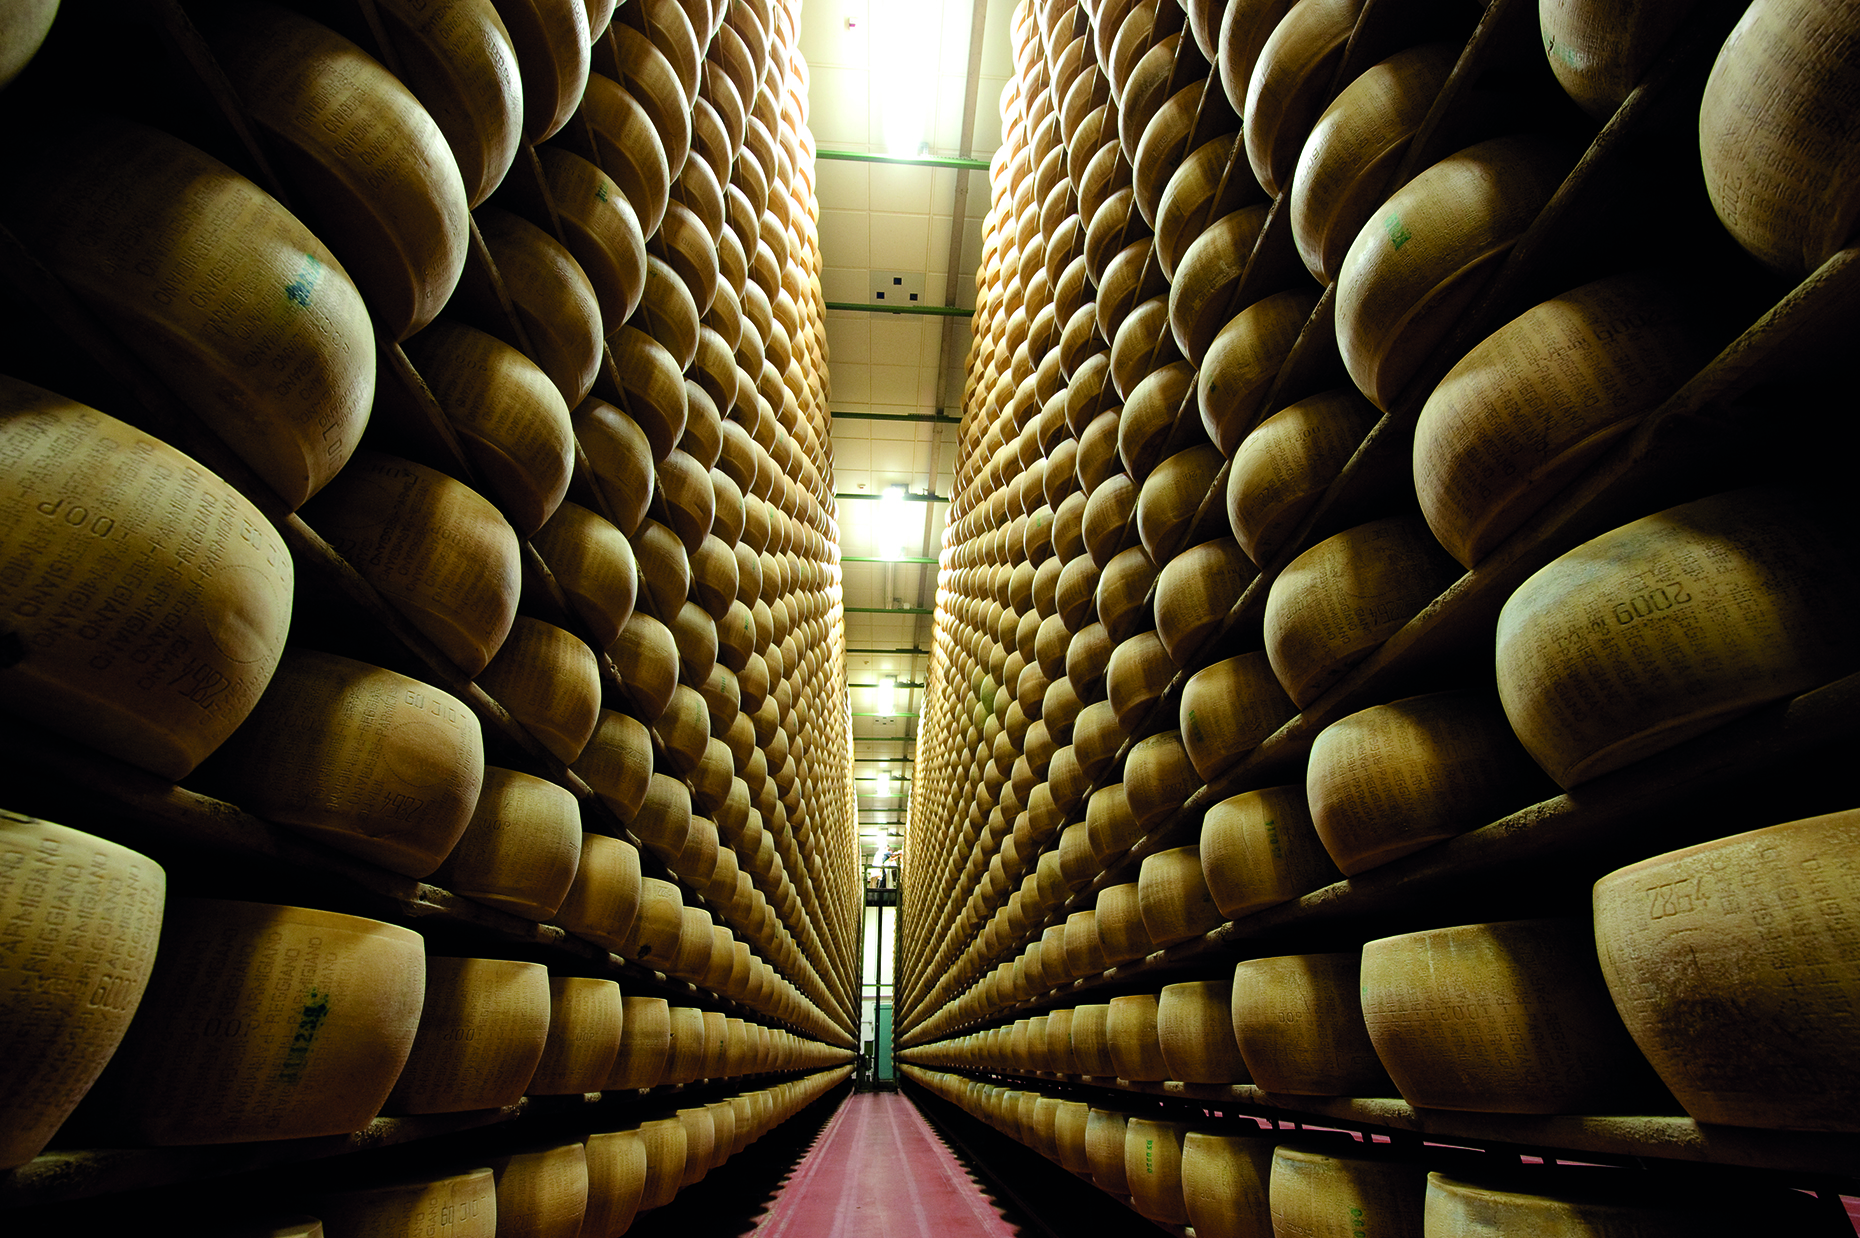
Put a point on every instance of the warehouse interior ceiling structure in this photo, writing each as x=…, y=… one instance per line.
x=912, y=90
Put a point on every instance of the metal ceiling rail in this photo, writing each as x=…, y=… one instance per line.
x=888, y=610
x=888, y=559
x=884, y=651
x=922, y=161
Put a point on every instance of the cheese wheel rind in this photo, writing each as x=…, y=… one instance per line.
x=265, y=1022
x=82, y=915
x=146, y=600
x=1671, y=625
x=1730, y=965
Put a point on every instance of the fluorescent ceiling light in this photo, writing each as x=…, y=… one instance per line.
x=888, y=703
x=904, y=42
x=892, y=518
x=884, y=782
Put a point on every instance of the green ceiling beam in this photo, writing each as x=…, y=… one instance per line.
x=908, y=497
x=939, y=311
x=936, y=418
x=920, y=161
x=888, y=610
x=882, y=559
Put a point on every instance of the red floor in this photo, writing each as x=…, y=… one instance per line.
x=878, y=1171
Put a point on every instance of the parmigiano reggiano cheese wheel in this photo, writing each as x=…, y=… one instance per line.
x=1206, y=278
x=364, y=162
x=1599, y=51
x=1299, y=1023
x=28, y=22
x=510, y=418
x=1290, y=84
x=1500, y=1018
x=1105, y=1131
x=1530, y=406
x=1344, y=169
x=1783, y=87
x=645, y=1044
x=552, y=298
x=647, y=658
x=1581, y=1208
x=1244, y=29
x=700, y=1144
x=1196, y=1031
x=1139, y=671
x=1069, y=1122
x=183, y=560
x=620, y=458
x=552, y=42
x=86, y=914
x=1429, y=250
x=1084, y=952
x=188, y=307
x=1387, y=781
x=653, y=938
x=1172, y=495
x=617, y=762
x=666, y=1149
x=1121, y=934
x=1228, y=708
x=604, y=899
x=1153, y=1168
x=1173, y=898
x=585, y=1019
x=685, y=1061
x=647, y=74
x=457, y=59
x=1224, y=1184
x=435, y=548
x=627, y=147
x=1143, y=345
x=265, y=1022
x=594, y=565
x=483, y=1029
x=601, y=228
x=1337, y=602
x=1312, y=1193
x=1287, y=463
x=521, y=849
x=1151, y=423
x=1157, y=779
x=1259, y=849
x=1208, y=186
x=542, y=1194
x=652, y=388
x=1244, y=359
x=1195, y=592
x=616, y=1177
x=363, y=759
x=550, y=682
x=668, y=312
x=1728, y=963
x=1718, y=594
x=412, y=1209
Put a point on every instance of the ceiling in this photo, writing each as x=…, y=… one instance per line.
x=892, y=374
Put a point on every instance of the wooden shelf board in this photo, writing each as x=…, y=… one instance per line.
x=1629, y=1136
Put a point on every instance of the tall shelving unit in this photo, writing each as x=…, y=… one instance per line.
x=984, y=883
x=797, y=900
